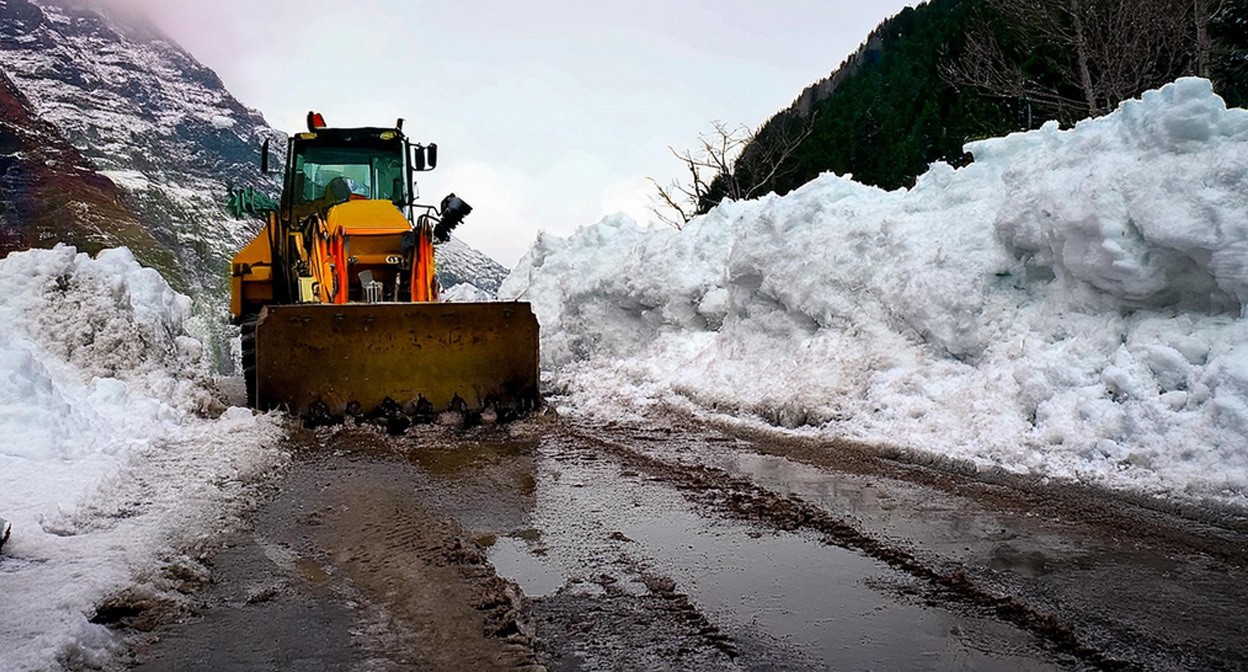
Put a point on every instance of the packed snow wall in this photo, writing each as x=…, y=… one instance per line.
x=1071, y=304
x=119, y=461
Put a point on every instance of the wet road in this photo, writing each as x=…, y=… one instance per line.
x=544, y=544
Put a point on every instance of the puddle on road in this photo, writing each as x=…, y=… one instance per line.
x=943, y=522
x=1069, y=567
x=561, y=519
x=520, y=561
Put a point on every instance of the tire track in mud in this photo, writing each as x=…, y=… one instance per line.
x=436, y=602
x=745, y=500
x=398, y=533
x=615, y=616
x=1156, y=582
x=670, y=601
x=1209, y=528
x=619, y=630
x=345, y=568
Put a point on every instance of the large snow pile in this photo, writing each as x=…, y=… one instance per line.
x=1071, y=305
x=113, y=474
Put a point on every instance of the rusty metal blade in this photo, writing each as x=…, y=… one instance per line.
x=481, y=353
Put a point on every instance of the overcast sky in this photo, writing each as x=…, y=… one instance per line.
x=547, y=115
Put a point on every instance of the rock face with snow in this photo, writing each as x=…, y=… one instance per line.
x=457, y=263
x=145, y=115
x=50, y=193
x=1071, y=304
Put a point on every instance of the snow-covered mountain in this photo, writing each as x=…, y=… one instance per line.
x=458, y=263
x=160, y=126
x=147, y=116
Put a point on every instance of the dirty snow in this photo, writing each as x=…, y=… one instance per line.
x=118, y=460
x=1071, y=305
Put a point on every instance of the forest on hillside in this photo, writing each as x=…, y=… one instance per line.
x=946, y=72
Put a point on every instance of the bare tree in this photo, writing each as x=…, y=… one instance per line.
x=1204, y=13
x=730, y=162
x=678, y=202
x=1094, y=54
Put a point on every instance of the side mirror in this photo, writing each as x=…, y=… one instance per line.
x=424, y=157
x=264, y=157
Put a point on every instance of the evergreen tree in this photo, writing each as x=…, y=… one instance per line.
x=905, y=101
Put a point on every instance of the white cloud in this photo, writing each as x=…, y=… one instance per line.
x=630, y=196
x=502, y=203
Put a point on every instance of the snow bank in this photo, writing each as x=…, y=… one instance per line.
x=111, y=467
x=1070, y=305
x=466, y=292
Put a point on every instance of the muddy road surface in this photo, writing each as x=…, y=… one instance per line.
x=547, y=544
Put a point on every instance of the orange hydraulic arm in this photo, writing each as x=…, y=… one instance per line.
x=423, y=283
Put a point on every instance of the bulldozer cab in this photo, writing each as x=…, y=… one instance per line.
x=365, y=168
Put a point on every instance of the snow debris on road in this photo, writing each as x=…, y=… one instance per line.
x=1071, y=305
x=114, y=470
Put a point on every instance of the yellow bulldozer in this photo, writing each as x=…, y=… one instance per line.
x=338, y=300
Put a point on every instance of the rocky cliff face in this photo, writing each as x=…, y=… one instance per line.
x=868, y=52
x=145, y=115
x=50, y=193
x=148, y=134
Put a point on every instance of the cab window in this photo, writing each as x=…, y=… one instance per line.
x=366, y=173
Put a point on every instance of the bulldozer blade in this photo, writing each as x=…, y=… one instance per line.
x=423, y=357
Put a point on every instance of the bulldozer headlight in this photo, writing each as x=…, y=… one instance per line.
x=454, y=210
